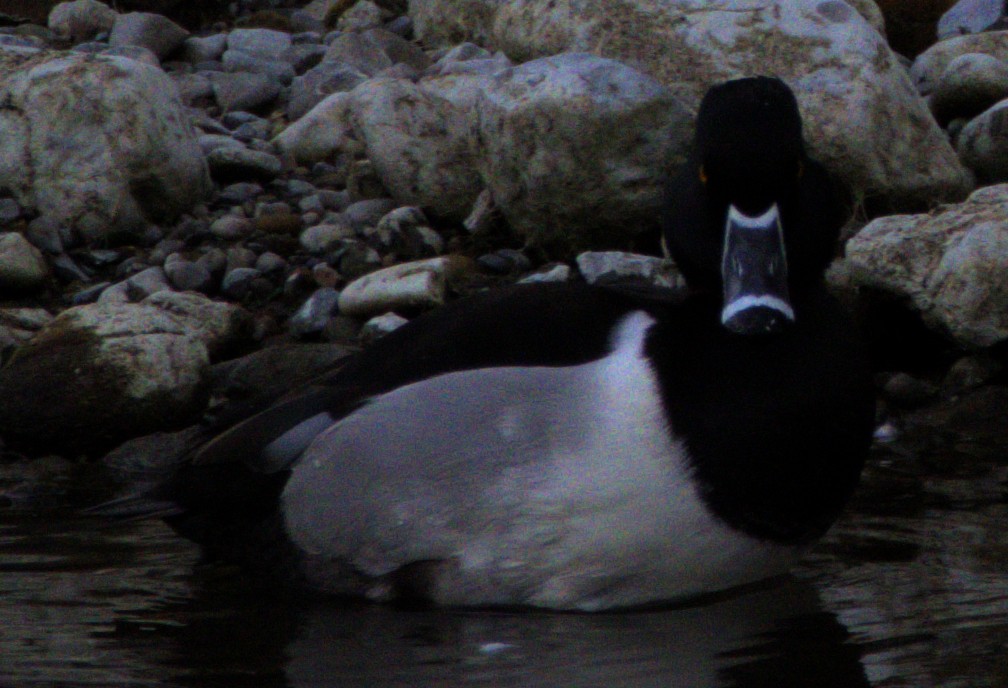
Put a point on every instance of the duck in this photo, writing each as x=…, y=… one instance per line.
x=569, y=446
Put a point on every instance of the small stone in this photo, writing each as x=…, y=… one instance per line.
x=617, y=267
x=262, y=43
x=362, y=16
x=68, y=270
x=186, y=275
x=237, y=61
x=154, y=32
x=406, y=287
x=237, y=283
x=355, y=258
x=240, y=257
x=196, y=49
x=369, y=212
x=47, y=234
x=240, y=192
x=325, y=276
x=379, y=326
x=146, y=282
x=81, y=20
x=215, y=262
x=270, y=263
x=557, y=273
x=231, y=227
x=22, y=266
x=970, y=372
x=324, y=237
x=314, y=313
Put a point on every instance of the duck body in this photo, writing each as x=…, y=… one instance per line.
x=572, y=446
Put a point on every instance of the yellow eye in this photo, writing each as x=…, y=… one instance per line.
x=703, y=175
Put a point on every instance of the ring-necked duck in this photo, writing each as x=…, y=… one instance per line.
x=578, y=447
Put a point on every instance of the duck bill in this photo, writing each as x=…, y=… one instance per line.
x=754, y=274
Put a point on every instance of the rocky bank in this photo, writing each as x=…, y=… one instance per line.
x=200, y=209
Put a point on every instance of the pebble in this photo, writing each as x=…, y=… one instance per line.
x=557, y=273
x=154, y=32
x=22, y=266
x=417, y=285
x=611, y=267
x=186, y=275
x=314, y=313
x=240, y=192
x=230, y=227
x=379, y=326
x=237, y=283
x=324, y=237
x=146, y=282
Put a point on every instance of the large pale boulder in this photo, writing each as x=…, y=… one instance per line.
x=951, y=266
x=863, y=117
x=100, y=373
x=99, y=144
x=930, y=65
x=574, y=147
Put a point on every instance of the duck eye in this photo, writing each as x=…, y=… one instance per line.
x=703, y=175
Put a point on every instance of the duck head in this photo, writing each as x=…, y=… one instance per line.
x=750, y=216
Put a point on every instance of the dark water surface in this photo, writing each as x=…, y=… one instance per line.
x=909, y=589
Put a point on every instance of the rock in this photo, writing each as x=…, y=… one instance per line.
x=311, y=88
x=324, y=237
x=237, y=61
x=154, y=32
x=362, y=16
x=99, y=374
x=238, y=282
x=132, y=160
x=405, y=231
x=406, y=287
x=970, y=372
x=617, y=267
x=261, y=43
x=221, y=327
x=196, y=49
x=557, y=273
x=187, y=275
x=911, y=25
x=146, y=282
x=951, y=267
x=313, y=315
x=152, y=458
x=862, y=116
x=970, y=84
x=971, y=16
x=416, y=145
x=232, y=162
x=326, y=130
x=983, y=144
x=379, y=326
x=243, y=90
x=81, y=20
x=231, y=227
x=929, y=66
x=576, y=146
x=22, y=266
x=275, y=370
x=374, y=51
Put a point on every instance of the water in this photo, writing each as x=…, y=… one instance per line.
x=909, y=589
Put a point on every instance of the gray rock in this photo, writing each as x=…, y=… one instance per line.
x=983, y=144
x=970, y=84
x=406, y=287
x=304, y=56
x=361, y=16
x=230, y=227
x=275, y=370
x=617, y=267
x=270, y=263
x=197, y=49
x=240, y=192
x=839, y=65
x=243, y=90
x=238, y=61
x=313, y=315
x=222, y=327
x=237, y=283
x=970, y=16
x=929, y=66
x=155, y=32
x=135, y=153
x=324, y=132
x=146, y=282
x=186, y=275
x=193, y=89
x=240, y=257
x=951, y=266
x=47, y=234
x=311, y=88
x=602, y=135
x=368, y=212
x=355, y=258
x=81, y=20
x=215, y=261
x=22, y=266
x=229, y=163
x=379, y=326
x=262, y=43
x=557, y=273
x=324, y=237
x=102, y=373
